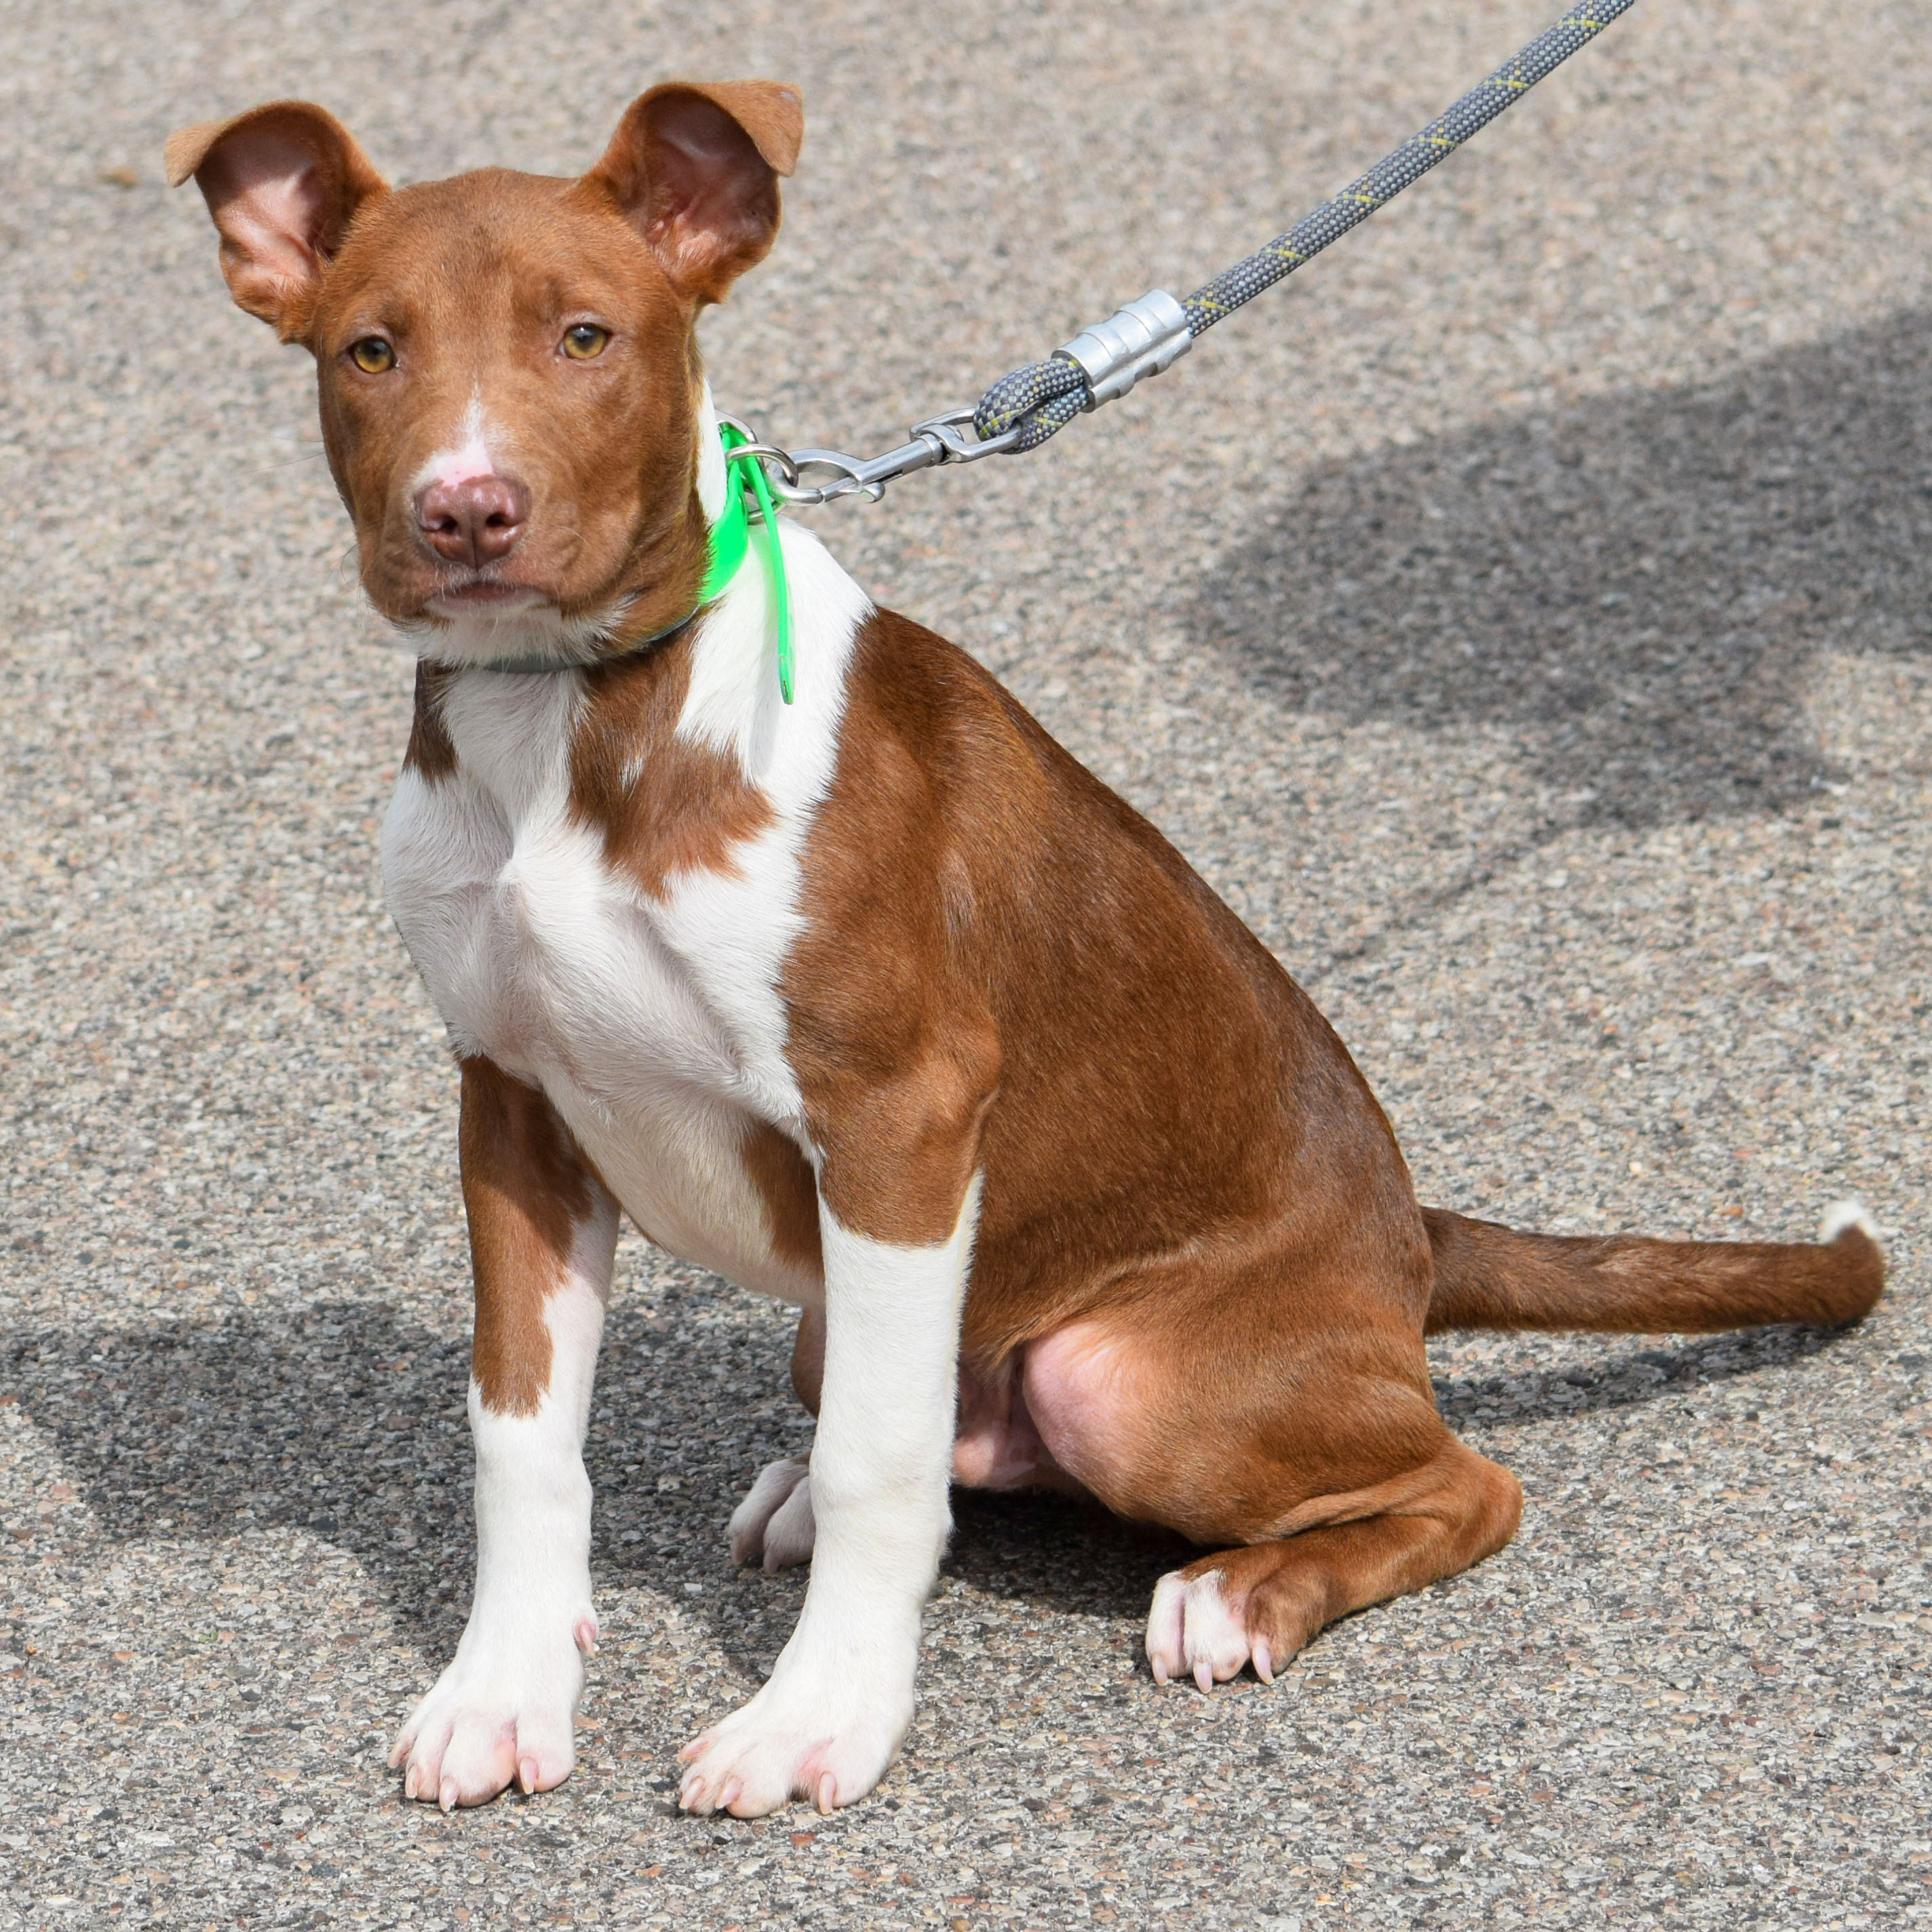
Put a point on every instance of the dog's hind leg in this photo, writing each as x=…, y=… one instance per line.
x=542, y=1235
x=1263, y=1603
x=1317, y=1450
x=774, y=1525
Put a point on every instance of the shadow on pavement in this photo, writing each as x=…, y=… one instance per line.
x=347, y=1421
x=1625, y=1378
x=344, y=1421
x=341, y=1420
x=1071, y=1556
x=1633, y=590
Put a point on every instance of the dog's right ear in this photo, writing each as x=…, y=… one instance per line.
x=283, y=183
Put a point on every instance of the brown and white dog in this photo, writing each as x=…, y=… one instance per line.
x=876, y=1002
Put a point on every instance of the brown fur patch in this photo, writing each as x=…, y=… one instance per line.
x=664, y=806
x=430, y=754
x=1453, y=1511
x=527, y=1189
x=1007, y=967
x=1196, y=1229
x=784, y=1179
x=807, y=1360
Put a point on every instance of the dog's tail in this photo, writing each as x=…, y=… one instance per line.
x=1489, y=1276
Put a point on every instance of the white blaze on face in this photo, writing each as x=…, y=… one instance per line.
x=466, y=456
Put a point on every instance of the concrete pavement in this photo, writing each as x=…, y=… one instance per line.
x=1520, y=619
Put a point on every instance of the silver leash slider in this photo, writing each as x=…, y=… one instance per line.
x=1142, y=339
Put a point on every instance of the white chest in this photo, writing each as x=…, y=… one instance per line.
x=652, y=1022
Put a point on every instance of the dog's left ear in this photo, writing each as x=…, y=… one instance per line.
x=695, y=166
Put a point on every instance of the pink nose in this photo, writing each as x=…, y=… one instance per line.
x=477, y=521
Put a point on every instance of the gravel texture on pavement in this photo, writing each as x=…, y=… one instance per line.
x=1521, y=619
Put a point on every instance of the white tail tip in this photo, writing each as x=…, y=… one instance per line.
x=1843, y=1214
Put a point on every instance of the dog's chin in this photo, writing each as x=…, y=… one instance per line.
x=495, y=600
x=484, y=623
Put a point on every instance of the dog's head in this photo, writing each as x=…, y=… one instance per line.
x=509, y=382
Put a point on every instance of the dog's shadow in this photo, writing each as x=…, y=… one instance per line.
x=346, y=1421
x=1626, y=1375
x=1634, y=590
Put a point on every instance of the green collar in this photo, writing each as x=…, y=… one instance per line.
x=730, y=538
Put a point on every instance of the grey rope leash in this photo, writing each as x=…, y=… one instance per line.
x=1021, y=410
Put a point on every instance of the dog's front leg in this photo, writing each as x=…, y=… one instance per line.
x=828, y=1722
x=542, y=1234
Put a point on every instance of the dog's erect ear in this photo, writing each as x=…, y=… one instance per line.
x=283, y=183
x=695, y=166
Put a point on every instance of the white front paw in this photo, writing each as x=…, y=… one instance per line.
x=775, y=1521
x=504, y=1711
x=829, y=1741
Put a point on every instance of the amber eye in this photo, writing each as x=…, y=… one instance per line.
x=372, y=355
x=585, y=340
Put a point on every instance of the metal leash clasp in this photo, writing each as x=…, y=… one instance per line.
x=939, y=440
x=949, y=429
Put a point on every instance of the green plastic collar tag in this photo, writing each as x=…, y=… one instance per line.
x=730, y=536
